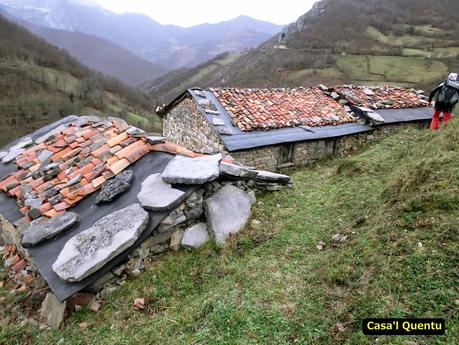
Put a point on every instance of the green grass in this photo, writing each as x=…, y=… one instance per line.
x=393, y=69
x=403, y=41
x=272, y=286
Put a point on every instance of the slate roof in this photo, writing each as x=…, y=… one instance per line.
x=382, y=97
x=74, y=160
x=265, y=109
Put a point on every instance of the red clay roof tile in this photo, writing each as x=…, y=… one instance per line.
x=53, y=213
x=119, y=166
x=117, y=139
x=61, y=206
x=264, y=109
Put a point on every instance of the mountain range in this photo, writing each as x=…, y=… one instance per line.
x=169, y=46
x=411, y=43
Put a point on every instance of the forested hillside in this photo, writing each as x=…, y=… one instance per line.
x=411, y=43
x=40, y=83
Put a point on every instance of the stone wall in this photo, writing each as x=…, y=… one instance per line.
x=185, y=125
x=308, y=152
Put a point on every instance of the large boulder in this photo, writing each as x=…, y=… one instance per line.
x=227, y=212
x=195, y=236
x=38, y=232
x=185, y=170
x=156, y=195
x=91, y=249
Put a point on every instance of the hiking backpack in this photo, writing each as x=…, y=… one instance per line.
x=448, y=95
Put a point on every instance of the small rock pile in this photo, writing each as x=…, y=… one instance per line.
x=218, y=207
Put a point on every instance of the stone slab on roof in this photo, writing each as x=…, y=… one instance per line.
x=382, y=97
x=265, y=109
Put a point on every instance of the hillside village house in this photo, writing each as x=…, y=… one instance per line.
x=277, y=128
x=131, y=193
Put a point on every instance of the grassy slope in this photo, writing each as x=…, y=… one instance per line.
x=412, y=43
x=273, y=285
x=166, y=88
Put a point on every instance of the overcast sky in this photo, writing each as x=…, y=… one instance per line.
x=188, y=12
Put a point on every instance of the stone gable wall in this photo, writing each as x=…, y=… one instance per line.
x=185, y=125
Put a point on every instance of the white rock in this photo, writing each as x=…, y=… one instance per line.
x=195, y=236
x=156, y=195
x=227, y=212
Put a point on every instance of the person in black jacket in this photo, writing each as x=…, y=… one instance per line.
x=446, y=96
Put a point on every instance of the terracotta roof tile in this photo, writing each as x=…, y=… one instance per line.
x=45, y=207
x=83, y=171
x=119, y=166
x=134, y=151
x=87, y=151
x=264, y=109
x=7, y=181
x=117, y=139
x=53, y=213
x=61, y=206
x=97, y=182
x=104, y=148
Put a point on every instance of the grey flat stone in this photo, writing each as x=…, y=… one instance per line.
x=12, y=154
x=175, y=218
x=185, y=170
x=111, y=189
x=33, y=203
x=227, y=212
x=44, y=155
x=51, y=133
x=133, y=131
x=39, y=232
x=236, y=171
x=224, y=131
x=218, y=122
x=73, y=181
x=156, y=195
x=53, y=311
x=153, y=139
x=195, y=236
x=272, y=177
x=91, y=249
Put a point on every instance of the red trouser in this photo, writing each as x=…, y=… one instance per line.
x=436, y=119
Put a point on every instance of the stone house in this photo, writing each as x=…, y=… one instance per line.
x=88, y=197
x=278, y=128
